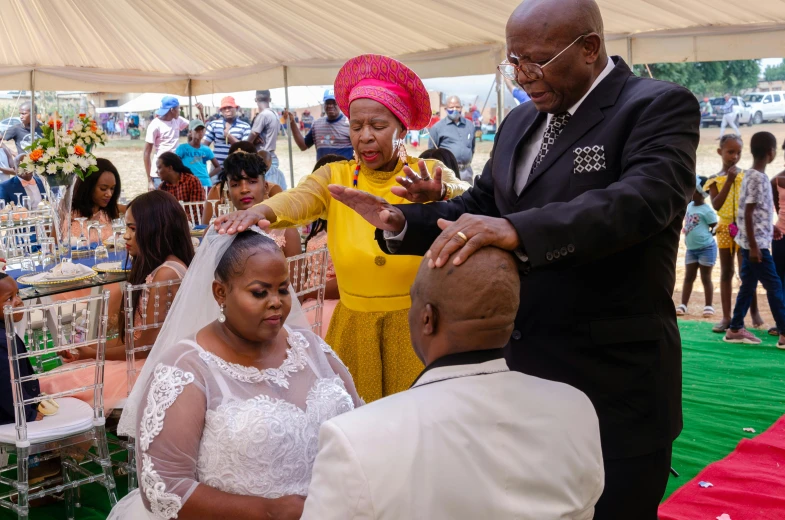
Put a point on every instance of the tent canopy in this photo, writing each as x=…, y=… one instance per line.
x=231, y=45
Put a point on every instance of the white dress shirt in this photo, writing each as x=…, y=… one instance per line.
x=532, y=145
x=530, y=149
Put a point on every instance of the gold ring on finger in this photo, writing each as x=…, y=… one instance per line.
x=462, y=236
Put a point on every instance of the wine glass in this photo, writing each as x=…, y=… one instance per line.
x=81, y=242
x=18, y=199
x=213, y=216
x=118, y=229
x=48, y=258
x=90, y=226
x=26, y=203
x=101, y=255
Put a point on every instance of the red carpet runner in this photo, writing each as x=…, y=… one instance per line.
x=748, y=484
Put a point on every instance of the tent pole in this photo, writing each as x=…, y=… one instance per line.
x=190, y=101
x=289, y=133
x=32, y=105
x=499, y=99
x=629, y=52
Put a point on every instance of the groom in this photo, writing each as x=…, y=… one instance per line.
x=588, y=185
x=470, y=439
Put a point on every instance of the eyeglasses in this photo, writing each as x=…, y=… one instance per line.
x=532, y=71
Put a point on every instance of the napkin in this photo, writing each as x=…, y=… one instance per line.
x=64, y=271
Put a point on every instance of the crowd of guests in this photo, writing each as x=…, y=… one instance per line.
x=743, y=231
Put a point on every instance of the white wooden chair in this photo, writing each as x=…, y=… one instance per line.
x=76, y=422
x=194, y=211
x=308, y=275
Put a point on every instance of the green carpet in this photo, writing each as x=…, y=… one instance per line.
x=726, y=388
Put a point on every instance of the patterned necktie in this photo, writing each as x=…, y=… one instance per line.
x=554, y=130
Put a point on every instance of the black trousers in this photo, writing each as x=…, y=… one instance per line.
x=634, y=487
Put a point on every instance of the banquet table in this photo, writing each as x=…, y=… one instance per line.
x=27, y=292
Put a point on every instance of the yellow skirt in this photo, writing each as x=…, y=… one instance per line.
x=376, y=348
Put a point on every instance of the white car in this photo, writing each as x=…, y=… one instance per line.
x=766, y=106
x=740, y=108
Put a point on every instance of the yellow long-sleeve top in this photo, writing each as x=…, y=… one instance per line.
x=368, y=279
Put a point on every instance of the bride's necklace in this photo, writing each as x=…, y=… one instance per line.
x=294, y=362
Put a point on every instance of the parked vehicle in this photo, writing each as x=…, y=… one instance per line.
x=742, y=110
x=766, y=106
x=7, y=123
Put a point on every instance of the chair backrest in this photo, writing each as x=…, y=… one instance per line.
x=21, y=232
x=137, y=321
x=87, y=312
x=308, y=275
x=193, y=211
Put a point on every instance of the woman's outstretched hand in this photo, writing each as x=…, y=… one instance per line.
x=377, y=211
x=239, y=221
x=422, y=187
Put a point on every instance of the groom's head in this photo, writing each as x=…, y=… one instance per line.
x=463, y=308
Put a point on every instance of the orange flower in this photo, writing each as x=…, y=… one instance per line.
x=82, y=115
x=36, y=154
x=52, y=124
x=93, y=126
x=78, y=150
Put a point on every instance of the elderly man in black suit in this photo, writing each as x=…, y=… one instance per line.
x=588, y=184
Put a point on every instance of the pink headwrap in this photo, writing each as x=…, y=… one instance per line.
x=388, y=82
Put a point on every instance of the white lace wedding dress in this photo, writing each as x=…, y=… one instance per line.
x=234, y=428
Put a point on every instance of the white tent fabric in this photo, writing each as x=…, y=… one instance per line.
x=231, y=45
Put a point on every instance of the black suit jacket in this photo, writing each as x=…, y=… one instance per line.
x=596, y=309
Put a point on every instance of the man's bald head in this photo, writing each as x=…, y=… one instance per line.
x=538, y=30
x=467, y=307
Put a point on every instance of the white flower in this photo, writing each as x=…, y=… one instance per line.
x=68, y=168
x=77, y=127
x=67, y=140
x=45, y=158
x=70, y=150
x=51, y=151
x=93, y=161
x=73, y=159
x=80, y=142
x=87, y=139
x=40, y=169
x=29, y=167
x=84, y=163
x=51, y=168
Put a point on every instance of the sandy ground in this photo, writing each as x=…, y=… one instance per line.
x=127, y=156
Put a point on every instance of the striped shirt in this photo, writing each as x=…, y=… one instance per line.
x=330, y=137
x=240, y=130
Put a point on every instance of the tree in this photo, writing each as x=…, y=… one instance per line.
x=775, y=72
x=707, y=78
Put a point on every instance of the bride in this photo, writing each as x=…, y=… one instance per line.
x=226, y=412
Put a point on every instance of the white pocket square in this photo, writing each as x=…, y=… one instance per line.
x=589, y=159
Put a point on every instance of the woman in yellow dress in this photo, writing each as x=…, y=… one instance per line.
x=369, y=329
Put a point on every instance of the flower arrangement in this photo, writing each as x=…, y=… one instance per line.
x=65, y=152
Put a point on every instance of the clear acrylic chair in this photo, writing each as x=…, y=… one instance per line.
x=75, y=426
x=194, y=211
x=161, y=294
x=308, y=275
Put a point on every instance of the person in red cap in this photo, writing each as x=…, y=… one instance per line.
x=369, y=329
x=223, y=133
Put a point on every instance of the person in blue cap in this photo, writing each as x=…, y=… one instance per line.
x=163, y=135
x=330, y=134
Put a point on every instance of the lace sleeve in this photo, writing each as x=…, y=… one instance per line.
x=170, y=431
x=340, y=369
x=304, y=203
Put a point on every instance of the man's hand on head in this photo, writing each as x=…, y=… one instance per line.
x=467, y=235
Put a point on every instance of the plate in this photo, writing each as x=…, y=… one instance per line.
x=23, y=280
x=110, y=243
x=110, y=267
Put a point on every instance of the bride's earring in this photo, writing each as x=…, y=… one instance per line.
x=221, y=316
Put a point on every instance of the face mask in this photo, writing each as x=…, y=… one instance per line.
x=454, y=114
